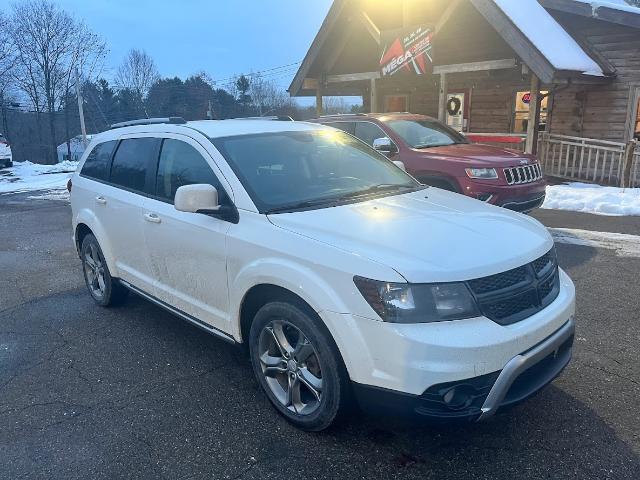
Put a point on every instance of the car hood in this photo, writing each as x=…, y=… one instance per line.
x=479, y=155
x=426, y=236
x=5, y=149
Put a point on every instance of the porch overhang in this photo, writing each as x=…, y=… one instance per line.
x=316, y=72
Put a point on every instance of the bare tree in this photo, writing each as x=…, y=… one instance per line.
x=266, y=96
x=50, y=44
x=137, y=73
x=7, y=60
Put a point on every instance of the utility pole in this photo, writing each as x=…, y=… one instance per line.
x=80, y=109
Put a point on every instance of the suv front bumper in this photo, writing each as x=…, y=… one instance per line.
x=416, y=364
x=478, y=398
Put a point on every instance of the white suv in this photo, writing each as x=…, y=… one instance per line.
x=342, y=274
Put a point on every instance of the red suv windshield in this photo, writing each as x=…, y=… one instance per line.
x=425, y=133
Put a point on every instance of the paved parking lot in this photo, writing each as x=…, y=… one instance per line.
x=135, y=393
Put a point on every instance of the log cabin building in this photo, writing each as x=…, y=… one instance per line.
x=561, y=76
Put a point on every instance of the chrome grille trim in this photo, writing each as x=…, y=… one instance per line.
x=523, y=174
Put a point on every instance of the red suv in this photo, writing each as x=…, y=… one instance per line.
x=439, y=156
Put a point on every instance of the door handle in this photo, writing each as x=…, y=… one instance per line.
x=152, y=217
x=101, y=200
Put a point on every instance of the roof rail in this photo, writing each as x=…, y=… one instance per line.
x=279, y=118
x=150, y=121
x=344, y=115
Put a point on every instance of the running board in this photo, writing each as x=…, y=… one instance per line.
x=185, y=316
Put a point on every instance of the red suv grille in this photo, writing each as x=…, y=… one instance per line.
x=524, y=174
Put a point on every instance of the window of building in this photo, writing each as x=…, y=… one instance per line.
x=131, y=162
x=522, y=112
x=96, y=165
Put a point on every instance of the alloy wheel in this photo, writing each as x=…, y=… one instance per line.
x=94, y=271
x=291, y=367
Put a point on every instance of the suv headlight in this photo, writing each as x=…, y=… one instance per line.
x=418, y=303
x=484, y=173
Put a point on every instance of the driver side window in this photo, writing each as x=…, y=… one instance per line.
x=181, y=164
x=368, y=132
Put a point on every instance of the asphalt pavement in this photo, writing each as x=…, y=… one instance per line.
x=134, y=392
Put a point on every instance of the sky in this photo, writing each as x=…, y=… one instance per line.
x=222, y=37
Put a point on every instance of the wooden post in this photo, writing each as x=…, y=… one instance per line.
x=319, y=109
x=533, y=126
x=373, y=96
x=629, y=151
x=442, y=99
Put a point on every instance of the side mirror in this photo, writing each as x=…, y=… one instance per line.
x=199, y=198
x=385, y=145
x=400, y=165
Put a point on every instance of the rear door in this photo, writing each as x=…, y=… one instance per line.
x=119, y=207
x=188, y=250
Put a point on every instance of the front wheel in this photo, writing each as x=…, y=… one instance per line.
x=298, y=366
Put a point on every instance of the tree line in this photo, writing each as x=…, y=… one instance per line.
x=46, y=53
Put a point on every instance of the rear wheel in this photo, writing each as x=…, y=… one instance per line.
x=298, y=366
x=103, y=288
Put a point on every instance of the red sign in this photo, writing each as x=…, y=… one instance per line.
x=526, y=98
x=407, y=50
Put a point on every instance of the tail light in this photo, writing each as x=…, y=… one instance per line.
x=69, y=185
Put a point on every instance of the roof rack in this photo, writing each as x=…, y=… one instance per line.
x=150, y=121
x=277, y=118
x=344, y=115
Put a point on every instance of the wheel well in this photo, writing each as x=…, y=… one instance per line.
x=81, y=231
x=258, y=296
x=440, y=182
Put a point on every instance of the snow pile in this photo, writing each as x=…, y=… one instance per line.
x=548, y=36
x=27, y=177
x=584, y=197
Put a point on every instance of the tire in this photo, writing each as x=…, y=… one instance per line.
x=300, y=365
x=103, y=288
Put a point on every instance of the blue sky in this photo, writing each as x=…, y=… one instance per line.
x=222, y=37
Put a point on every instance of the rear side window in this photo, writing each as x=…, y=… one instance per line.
x=132, y=161
x=96, y=165
x=344, y=126
x=368, y=132
x=181, y=164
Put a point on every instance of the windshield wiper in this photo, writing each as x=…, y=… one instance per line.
x=432, y=145
x=332, y=200
x=376, y=189
x=300, y=205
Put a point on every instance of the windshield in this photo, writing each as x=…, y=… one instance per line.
x=288, y=171
x=425, y=133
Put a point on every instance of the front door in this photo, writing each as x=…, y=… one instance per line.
x=395, y=103
x=187, y=251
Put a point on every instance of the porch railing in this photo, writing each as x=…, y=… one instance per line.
x=589, y=160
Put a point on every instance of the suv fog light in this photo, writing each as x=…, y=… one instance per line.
x=459, y=397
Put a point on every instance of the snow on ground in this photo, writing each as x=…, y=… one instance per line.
x=29, y=177
x=623, y=244
x=588, y=198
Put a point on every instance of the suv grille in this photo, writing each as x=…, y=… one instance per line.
x=514, y=295
x=524, y=174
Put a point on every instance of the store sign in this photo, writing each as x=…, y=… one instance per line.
x=407, y=50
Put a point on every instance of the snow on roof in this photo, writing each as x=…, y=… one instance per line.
x=548, y=36
x=615, y=4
